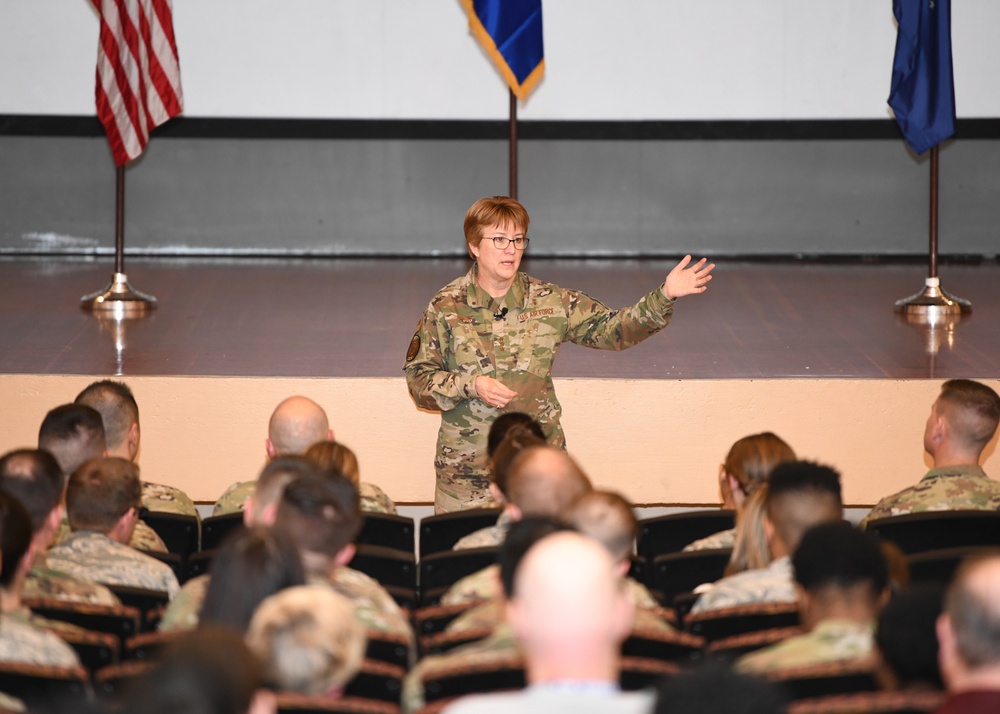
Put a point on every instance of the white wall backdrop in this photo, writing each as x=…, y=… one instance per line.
x=415, y=59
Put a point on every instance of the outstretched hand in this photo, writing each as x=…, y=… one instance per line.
x=684, y=280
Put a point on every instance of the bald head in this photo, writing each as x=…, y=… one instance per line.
x=972, y=606
x=544, y=481
x=296, y=424
x=569, y=608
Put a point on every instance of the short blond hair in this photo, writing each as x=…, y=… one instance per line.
x=493, y=211
x=308, y=640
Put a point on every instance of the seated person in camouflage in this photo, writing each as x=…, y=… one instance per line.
x=103, y=499
x=260, y=511
x=334, y=455
x=962, y=422
x=74, y=433
x=120, y=414
x=842, y=582
x=251, y=566
x=607, y=518
x=20, y=640
x=800, y=495
x=542, y=481
x=746, y=468
x=296, y=424
x=34, y=478
x=322, y=515
x=517, y=439
x=308, y=640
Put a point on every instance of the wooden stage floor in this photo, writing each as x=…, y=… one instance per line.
x=354, y=318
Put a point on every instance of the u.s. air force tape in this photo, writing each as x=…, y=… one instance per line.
x=414, y=347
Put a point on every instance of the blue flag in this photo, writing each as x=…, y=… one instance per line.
x=923, y=88
x=511, y=33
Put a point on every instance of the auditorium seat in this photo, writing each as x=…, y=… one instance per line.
x=728, y=649
x=95, y=649
x=288, y=703
x=179, y=532
x=118, y=620
x=146, y=601
x=388, y=566
x=46, y=689
x=938, y=566
x=440, y=571
x=669, y=534
x=731, y=621
x=433, y=619
x=445, y=641
x=441, y=532
x=827, y=679
x=901, y=702
x=389, y=531
x=676, y=573
x=680, y=647
x=214, y=529
x=933, y=530
x=377, y=680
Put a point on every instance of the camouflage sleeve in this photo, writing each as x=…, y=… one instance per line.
x=593, y=324
x=432, y=385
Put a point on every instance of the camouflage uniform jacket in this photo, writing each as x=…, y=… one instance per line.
x=458, y=339
x=94, y=556
x=771, y=584
x=716, y=541
x=182, y=612
x=491, y=536
x=500, y=645
x=23, y=641
x=951, y=488
x=167, y=499
x=829, y=641
x=143, y=537
x=11, y=704
x=234, y=499
x=485, y=585
x=44, y=581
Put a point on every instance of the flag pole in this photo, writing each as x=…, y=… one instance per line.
x=513, y=145
x=119, y=298
x=933, y=302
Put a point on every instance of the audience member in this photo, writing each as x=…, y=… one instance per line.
x=72, y=433
x=714, y=689
x=308, y=641
x=906, y=639
x=842, y=582
x=570, y=614
x=260, y=510
x=750, y=547
x=34, y=478
x=517, y=439
x=542, y=481
x=746, y=468
x=962, y=422
x=120, y=415
x=501, y=426
x=103, y=499
x=969, y=638
x=20, y=640
x=296, y=424
x=251, y=566
x=800, y=495
x=209, y=671
x=334, y=455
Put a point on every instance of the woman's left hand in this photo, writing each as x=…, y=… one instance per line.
x=684, y=280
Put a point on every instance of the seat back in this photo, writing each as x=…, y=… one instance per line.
x=199, y=563
x=901, y=702
x=145, y=601
x=741, y=619
x=303, y=704
x=669, y=534
x=636, y=673
x=214, y=529
x=441, y=532
x=45, y=689
x=505, y=673
x=663, y=646
x=440, y=571
x=827, y=679
x=389, y=648
x=389, y=531
x=933, y=530
x=148, y=646
x=938, y=566
x=433, y=619
x=377, y=680
x=121, y=621
x=179, y=532
x=728, y=649
x=390, y=567
x=95, y=649
x=676, y=573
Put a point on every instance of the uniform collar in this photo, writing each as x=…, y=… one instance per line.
x=477, y=297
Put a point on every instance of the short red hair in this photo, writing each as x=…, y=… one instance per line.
x=493, y=211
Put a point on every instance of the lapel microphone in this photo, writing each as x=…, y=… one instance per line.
x=500, y=314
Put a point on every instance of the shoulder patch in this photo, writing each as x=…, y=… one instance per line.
x=414, y=347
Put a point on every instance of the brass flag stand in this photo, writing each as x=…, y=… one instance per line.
x=119, y=299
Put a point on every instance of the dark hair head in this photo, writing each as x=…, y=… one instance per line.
x=838, y=555
x=15, y=537
x=802, y=494
x=34, y=478
x=504, y=423
x=521, y=536
x=322, y=514
x=516, y=440
x=973, y=411
x=117, y=406
x=715, y=688
x=277, y=474
x=72, y=433
x=207, y=671
x=251, y=566
x=100, y=492
x=906, y=635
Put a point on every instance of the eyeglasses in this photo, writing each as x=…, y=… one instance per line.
x=501, y=243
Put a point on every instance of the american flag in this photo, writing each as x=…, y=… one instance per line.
x=138, y=73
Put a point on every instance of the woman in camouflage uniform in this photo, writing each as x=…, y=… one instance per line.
x=486, y=343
